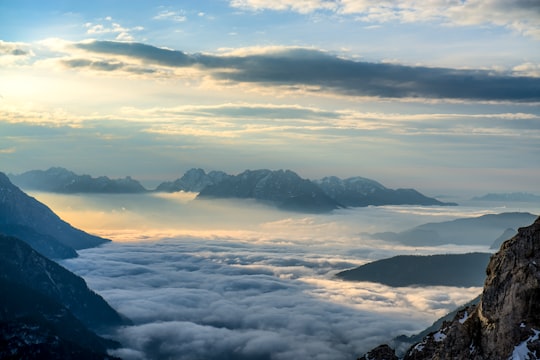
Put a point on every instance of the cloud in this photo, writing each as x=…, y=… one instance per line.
x=522, y=16
x=14, y=53
x=110, y=27
x=10, y=150
x=323, y=72
x=176, y=16
x=192, y=298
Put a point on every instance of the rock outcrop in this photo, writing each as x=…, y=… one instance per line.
x=505, y=324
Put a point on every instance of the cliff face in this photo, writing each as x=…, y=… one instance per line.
x=506, y=322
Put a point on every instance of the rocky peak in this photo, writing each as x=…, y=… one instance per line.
x=506, y=322
x=193, y=180
x=283, y=188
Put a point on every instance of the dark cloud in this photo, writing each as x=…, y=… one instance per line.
x=101, y=65
x=330, y=73
x=96, y=65
x=19, y=52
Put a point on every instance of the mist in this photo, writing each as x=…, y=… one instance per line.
x=241, y=280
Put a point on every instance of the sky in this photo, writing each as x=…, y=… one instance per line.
x=442, y=96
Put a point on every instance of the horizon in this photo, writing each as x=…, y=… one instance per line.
x=441, y=97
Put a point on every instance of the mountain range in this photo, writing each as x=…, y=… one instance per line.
x=60, y=180
x=281, y=188
x=359, y=191
x=482, y=230
x=508, y=197
x=285, y=189
x=504, y=324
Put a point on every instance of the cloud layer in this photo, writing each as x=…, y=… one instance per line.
x=258, y=285
x=327, y=73
x=200, y=299
x=522, y=16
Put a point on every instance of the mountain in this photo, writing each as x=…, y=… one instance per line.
x=481, y=230
x=21, y=264
x=60, y=180
x=32, y=326
x=507, y=234
x=282, y=188
x=508, y=197
x=194, y=180
x=359, y=191
x=24, y=216
x=433, y=270
x=505, y=324
x=46, y=311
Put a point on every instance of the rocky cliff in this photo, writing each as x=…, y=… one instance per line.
x=505, y=324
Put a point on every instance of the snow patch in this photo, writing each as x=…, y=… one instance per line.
x=522, y=352
x=439, y=336
x=464, y=317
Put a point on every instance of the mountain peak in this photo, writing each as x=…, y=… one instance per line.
x=284, y=188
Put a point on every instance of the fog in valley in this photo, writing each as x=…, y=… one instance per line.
x=241, y=280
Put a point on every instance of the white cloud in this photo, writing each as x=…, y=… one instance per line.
x=176, y=16
x=114, y=28
x=521, y=16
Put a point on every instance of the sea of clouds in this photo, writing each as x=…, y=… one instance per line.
x=237, y=280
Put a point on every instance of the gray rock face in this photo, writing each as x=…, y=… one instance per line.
x=506, y=322
x=382, y=352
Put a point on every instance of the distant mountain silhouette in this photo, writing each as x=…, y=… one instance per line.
x=482, y=230
x=508, y=197
x=282, y=188
x=507, y=234
x=194, y=180
x=60, y=180
x=433, y=270
x=46, y=310
x=359, y=191
x=24, y=216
